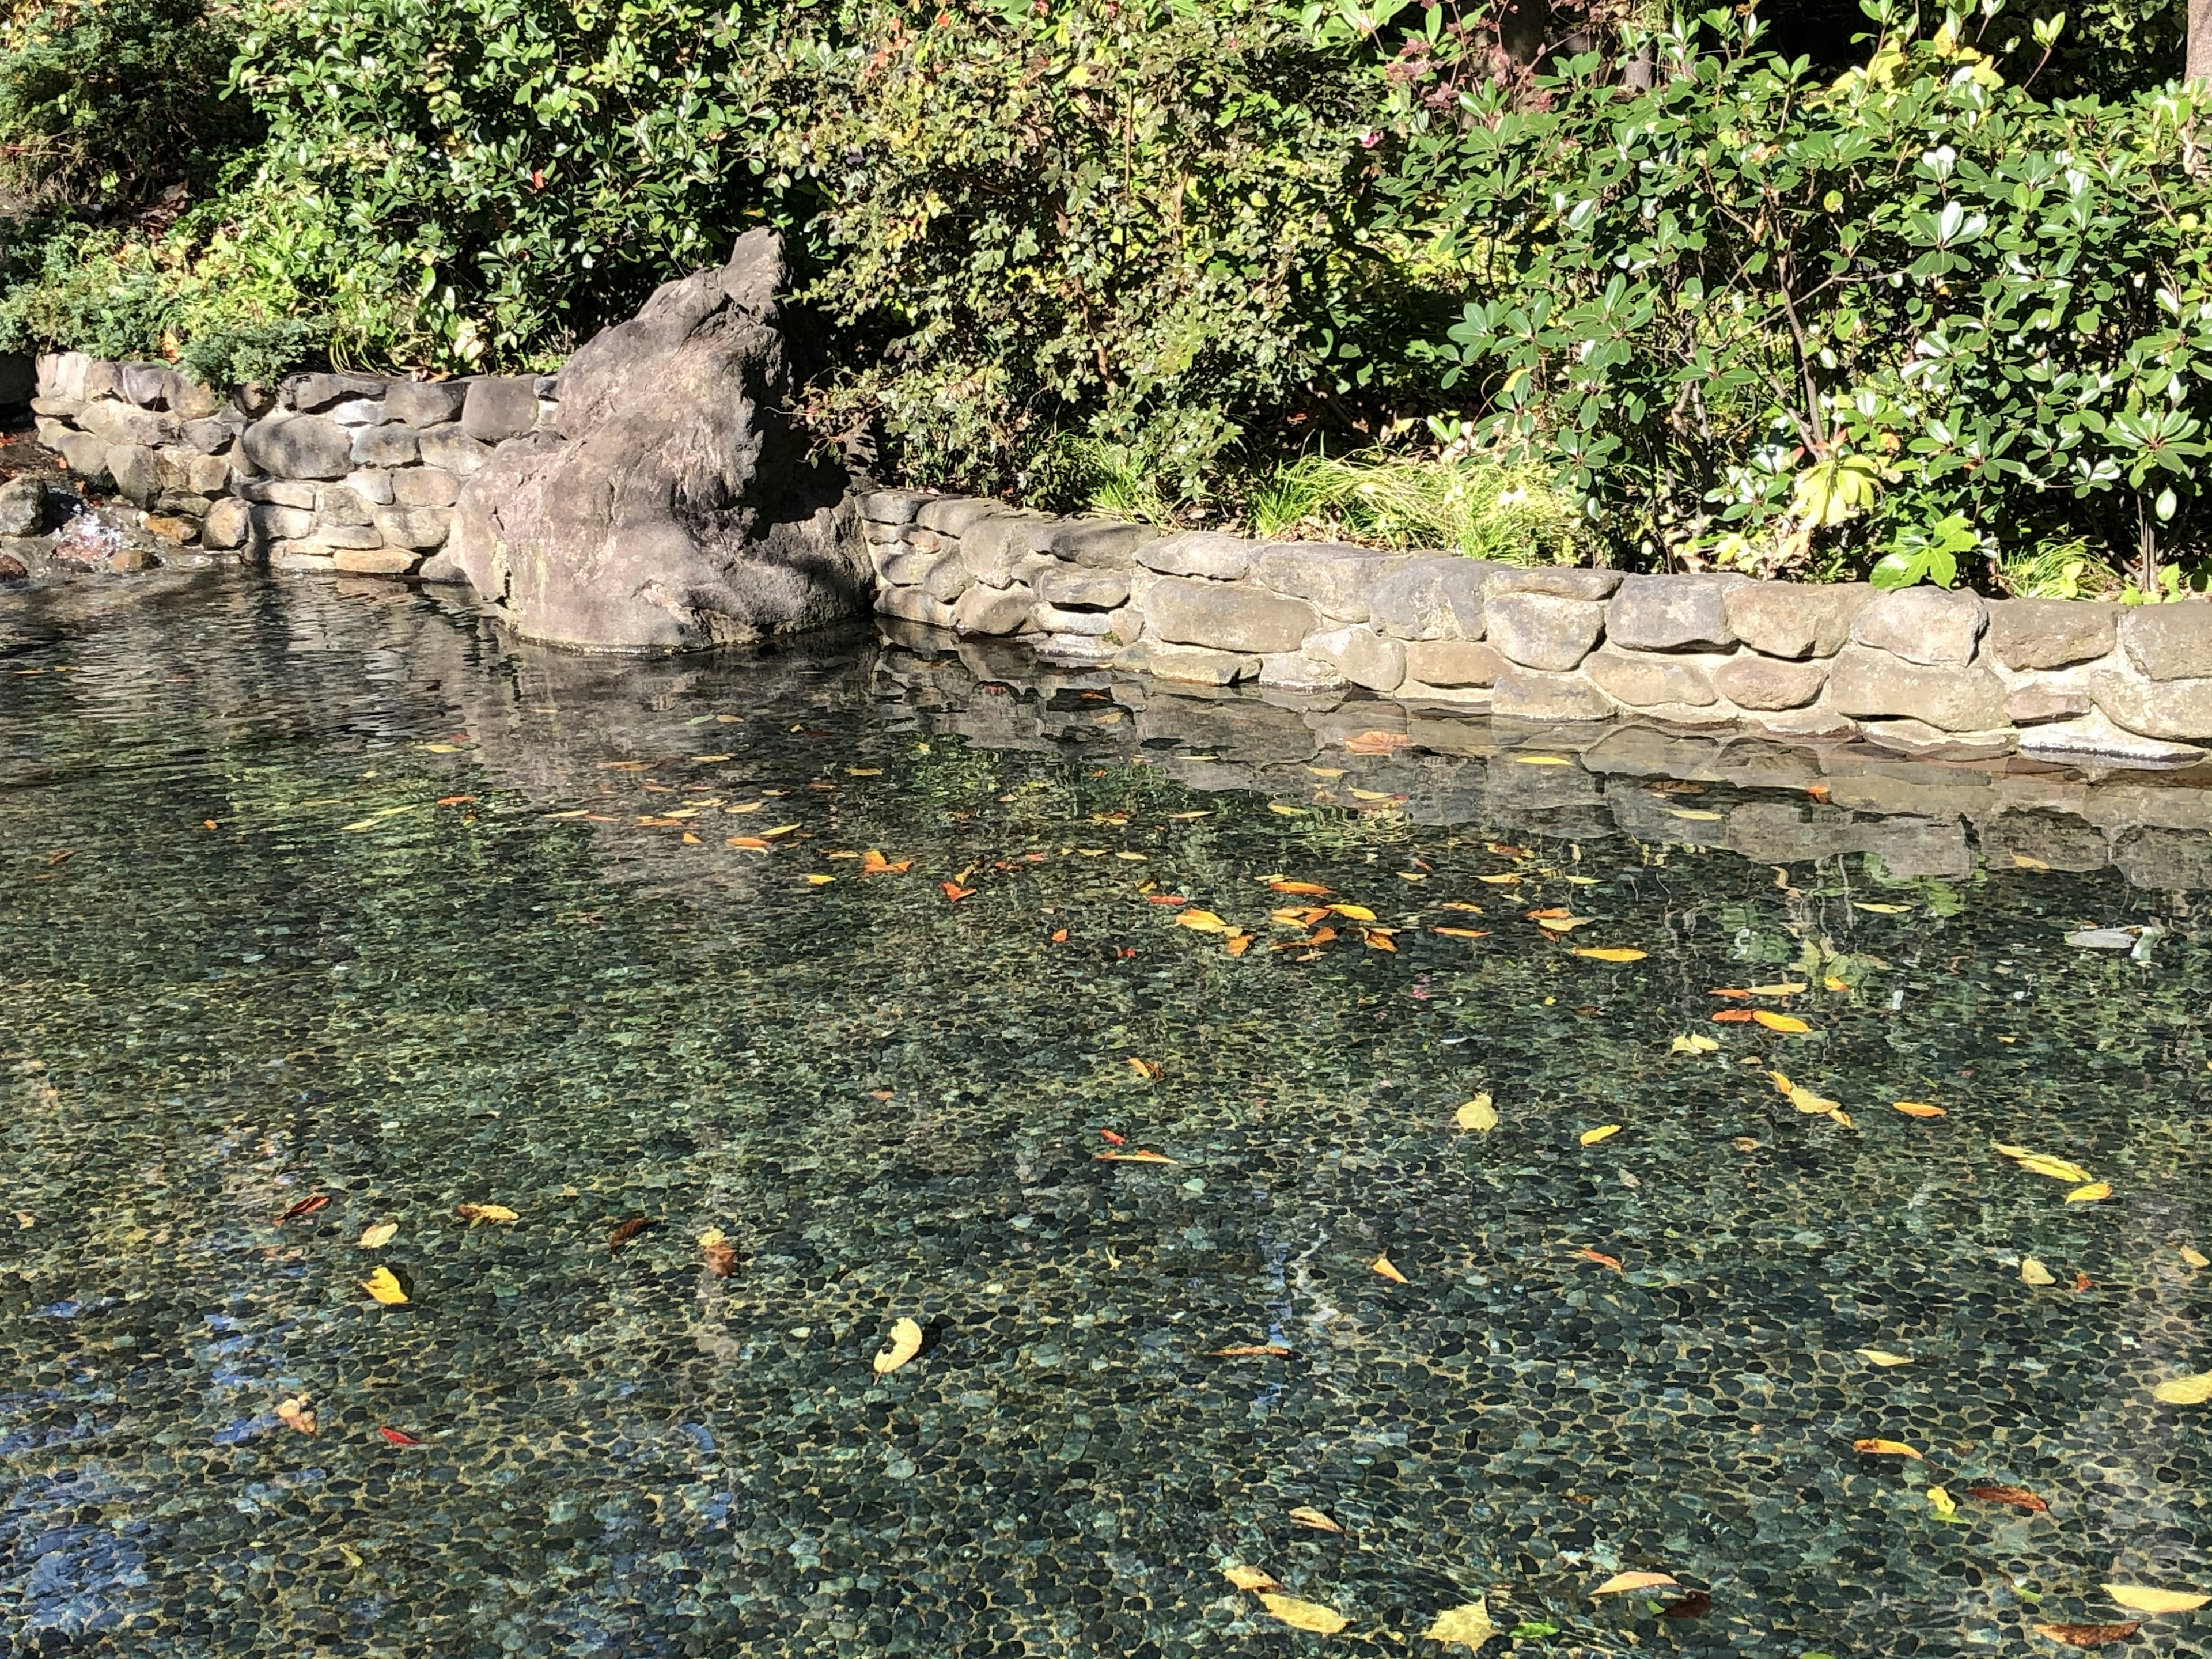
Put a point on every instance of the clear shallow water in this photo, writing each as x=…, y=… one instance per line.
x=892, y=1104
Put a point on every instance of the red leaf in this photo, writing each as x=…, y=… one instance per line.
x=306, y=1206
x=1733, y=1016
x=398, y=1437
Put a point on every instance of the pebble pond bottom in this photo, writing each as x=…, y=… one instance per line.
x=1157, y=1111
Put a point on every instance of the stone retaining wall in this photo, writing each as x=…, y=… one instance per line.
x=1920, y=671
x=349, y=472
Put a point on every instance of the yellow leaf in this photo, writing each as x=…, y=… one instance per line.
x=820, y=881
x=2058, y=1169
x=484, y=1214
x=1883, y=909
x=906, y=1342
x=1699, y=813
x=1304, y=1615
x=1940, y=1501
x=2184, y=1390
x=1887, y=1449
x=1789, y=987
x=384, y=1286
x=1467, y=1625
x=1696, y=1043
x=2021, y=861
x=1540, y=759
x=1812, y=1104
x=1833, y=983
x=1477, y=1114
x=1461, y=932
x=1460, y=904
x=2091, y=1194
x=1204, y=921
x=1787, y=1024
x=1277, y=807
x=1306, y=889
x=1918, y=1108
x=1306, y=1515
x=1878, y=1357
x=779, y=829
x=1353, y=912
x=1562, y=924
x=2196, y=1258
x=376, y=1238
x=1500, y=881
x=1781, y=1082
x=746, y=806
x=1622, y=1583
x=297, y=1415
x=1610, y=953
x=1604, y=1131
x=1249, y=1578
x=2142, y=1600
x=2032, y=1271
x=1383, y=1265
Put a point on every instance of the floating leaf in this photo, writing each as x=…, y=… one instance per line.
x=1352, y=912
x=484, y=1215
x=1789, y=987
x=297, y=1415
x=376, y=1238
x=2032, y=1271
x=906, y=1342
x=1733, y=1017
x=1137, y=1156
x=1600, y=1258
x=1149, y=1070
x=2019, y=1497
x=1500, y=881
x=819, y=881
x=1301, y=889
x=1383, y=1265
x=1887, y=1449
x=1789, y=1025
x=1696, y=1605
x=2184, y=1390
x=1883, y=909
x=715, y=1250
x=398, y=1436
x=954, y=892
x=1610, y=953
x=1460, y=904
x=1237, y=943
x=1202, y=922
x=1469, y=1625
x=1281, y=810
x=1881, y=1357
x=1463, y=932
x=1304, y=1615
x=1940, y=1501
x=628, y=1231
x=1622, y=1583
x=2142, y=1600
x=1379, y=938
x=1541, y=760
x=1306, y=1515
x=384, y=1284
x=1477, y=1114
x=1603, y=1132
x=2194, y=1258
x=1253, y=1351
x=2042, y=1163
x=2086, y=1635
x=2092, y=1193
x=306, y=1207
x=1377, y=743
x=1918, y=1108
x=1249, y=1578
x=1696, y=1043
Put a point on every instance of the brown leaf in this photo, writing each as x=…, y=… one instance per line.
x=2088, y=1636
x=1696, y=1605
x=1253, y=1351
x=628, y=1230
x=954, y=892
x=1600, y=1258
x=1377, y=743
x=715, y=1251
x=307, y=1206
x=1306, y=1515
x=2019, y=1497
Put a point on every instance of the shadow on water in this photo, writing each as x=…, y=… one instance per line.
x=316, y=889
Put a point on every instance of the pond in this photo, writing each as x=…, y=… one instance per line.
x=320, y=904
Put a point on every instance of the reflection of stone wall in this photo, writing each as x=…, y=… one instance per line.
x=1773, y=801
x=1921, y=672
x=351, y=472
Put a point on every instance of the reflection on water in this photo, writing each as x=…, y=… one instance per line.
x=313, y=892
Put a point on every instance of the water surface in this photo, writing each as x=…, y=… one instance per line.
x=312, y=890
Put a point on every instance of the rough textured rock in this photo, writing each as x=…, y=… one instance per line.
x=452, y=450
x=86, y=456
x=136, y=475
x=308, y=393
x=2175, y=709
x=1362, y=656
x=1053, y=619
x=392, y=443
x=499, y=406
x=2169, y=642
x=1196, y=665
x=1787, y=619
x=1671, y=613
x=299, y=447
x=424, y=486
x=1872, y=684
x=2028, y=634
x=1072, y=587
x=2094, y=734
x=1647, y=681
x=1183, y=612
x=992, y=548
x=1766, y=684
x=675, y=510
x=1925, y=742
x=1543, y=631
x=1566, y=581
x=1432, y=598
x=1095, y=543
x=1201, y=553
x=1528, y=694
x=2037, y=705
x=13, y=570
x=418, y=404
x=228, y=523
x=22, y=507
x=418, y=527
x=1450, y=663
x=1335, y=579
x=992, y=610
x=1931, y=626
x=374, y=561
x=1295, y=672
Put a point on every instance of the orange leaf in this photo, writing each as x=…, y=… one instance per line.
x=1377, y=743
x=1306, y=889
x=1131, y=1157
x=1600, y=1258
x=1165, y=898
x=1918, y=1108
x=1731, y=993
x=2019, y=1497
x=1060, y=936
x=1378, y=940
x=1383, y=1265
x=752, y=843
x=456, y=800
x=1237, y=943
x=1147, y=1069
x=1733, y=1017
x=1887, y=1449
x=954, y=892
x=2088, y=1636
x=1463, y=932
x=1789, y=1025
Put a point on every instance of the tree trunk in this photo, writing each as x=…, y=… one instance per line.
x=2200, y=41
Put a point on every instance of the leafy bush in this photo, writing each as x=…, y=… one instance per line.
x=1470, y=503
x=1763, y=321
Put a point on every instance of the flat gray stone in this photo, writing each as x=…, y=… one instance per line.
x=281, y=524
x=1432, y=597
x=112, y=421
x=2179, y=711
x=2169, y=642
x=1454, y=662
x=2030, y=633
x=1201, y=553
x=340, y=504
x=1934, y=627
x=1182, y=612
x=392, y=443
x=1094, y=544
x=1071, y=588
x=146, y=385
x=949, y=577
x=452, y=450
x=1546, y=631
x=418, y=527
x=2038, y=705
x=1529, y=694
x=2094, y=736
x=422, y=403
x=308, y=393
x=1751, y=681
x=1869, y=683
x=86, y=456
x=1295, y=672
x=138, y=475
x=1565, y=581
x=952, y=516
x=1197, y=666
x=1361, y=655
x=892, y=507
x=424, y=486
x=993, y=547
x=1926, y=742
x=373, y=484
x=360, y=537
x=1671, y=613
x=498, y=407
x=299, y=447
x=1645, y=681
x=912, y=604
x=210, y=435
x=1795, y=619
x=995, y=611
x=1053, y=619
x=1336, y=578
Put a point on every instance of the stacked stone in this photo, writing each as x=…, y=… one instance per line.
x=345, y=472
x=1921, y=671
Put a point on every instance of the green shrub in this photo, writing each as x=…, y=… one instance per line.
x=1472, y=504
x=1787, y=326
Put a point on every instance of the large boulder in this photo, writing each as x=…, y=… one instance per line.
x=675, y=510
